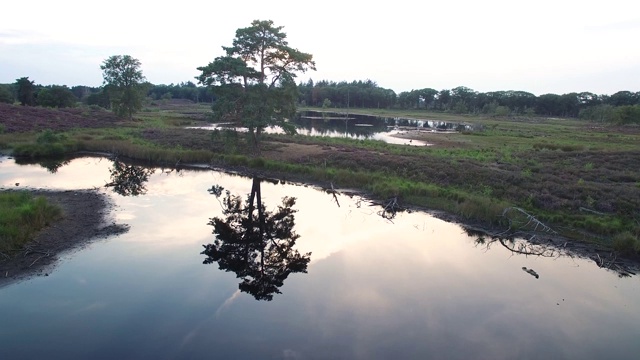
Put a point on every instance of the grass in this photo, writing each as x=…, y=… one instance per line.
x=552, y=168
x=626, y=243
x=21, y=217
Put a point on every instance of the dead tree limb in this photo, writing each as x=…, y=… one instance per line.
x=334, y=192
x=390, y=209
x=531, y=221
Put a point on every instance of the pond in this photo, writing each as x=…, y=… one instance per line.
x=376, y=285
x=365, y=127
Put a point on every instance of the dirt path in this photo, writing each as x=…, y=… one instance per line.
x=85, y=219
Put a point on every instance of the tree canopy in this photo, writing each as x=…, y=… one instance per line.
x=6, y=94
x=124, y=83
x=253, y=82
x=26, y=90
x=56, y=96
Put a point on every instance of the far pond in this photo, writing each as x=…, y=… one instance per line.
x=366, y=127
x=320, y=277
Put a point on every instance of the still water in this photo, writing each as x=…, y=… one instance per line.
x=411, y=287
x=362, y=127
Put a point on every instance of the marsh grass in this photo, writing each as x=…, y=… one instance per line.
x=626, y=243
x=21, y=217
x=146, y=152
x=47, y=144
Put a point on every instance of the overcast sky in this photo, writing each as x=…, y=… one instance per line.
x=543, y=46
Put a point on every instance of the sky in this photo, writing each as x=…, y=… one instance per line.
x=542, y=46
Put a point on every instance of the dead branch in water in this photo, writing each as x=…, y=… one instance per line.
x=531, y=221
x=519, y=246
x=334, y=192
x=390, y=209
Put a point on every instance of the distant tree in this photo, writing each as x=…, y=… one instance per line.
x=601, y=113
x=428, y=97
x=444, y=99
x=462, y=99
x=56, y=96
x=623, y=98
x=627, y=114
x=253, y=82
x=81, y=92
x=6, y=94
x=124, y=83
x=26, y=89
x=100, y=98
x=589, y=99
x=549, y=104
x=570, y=104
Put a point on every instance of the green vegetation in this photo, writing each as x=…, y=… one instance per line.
x=123, y=81
x=579, y=179
x=6, y=94
x=56, y=96
x=253, y=82
x=570, y=160
x=21, y=216
x=25, y=89
x=47, y=144
x=619, y=108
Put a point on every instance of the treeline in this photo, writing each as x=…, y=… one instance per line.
x=27, y=93
x=363, y=94
x=621, y=107
x=188, y=91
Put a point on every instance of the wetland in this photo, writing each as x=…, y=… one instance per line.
x=517, y=240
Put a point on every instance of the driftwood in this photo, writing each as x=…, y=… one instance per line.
x=592, y=211
x=531, y=222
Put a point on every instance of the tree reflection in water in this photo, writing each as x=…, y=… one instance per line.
x=128, y=180
x=555, y=246
x=514, y=245
x=254, y=243
x=52, y=165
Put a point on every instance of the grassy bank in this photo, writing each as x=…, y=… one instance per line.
x=580, y=178
x=21, y=217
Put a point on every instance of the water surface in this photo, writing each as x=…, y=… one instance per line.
x=410, y=287
x=363, y=127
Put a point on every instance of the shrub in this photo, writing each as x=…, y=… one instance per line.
x=502, y=111
x=257, y=162
x=6, y=95
x=626, y=243
x=49, y=137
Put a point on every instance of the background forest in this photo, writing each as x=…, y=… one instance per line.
x=622, y=107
